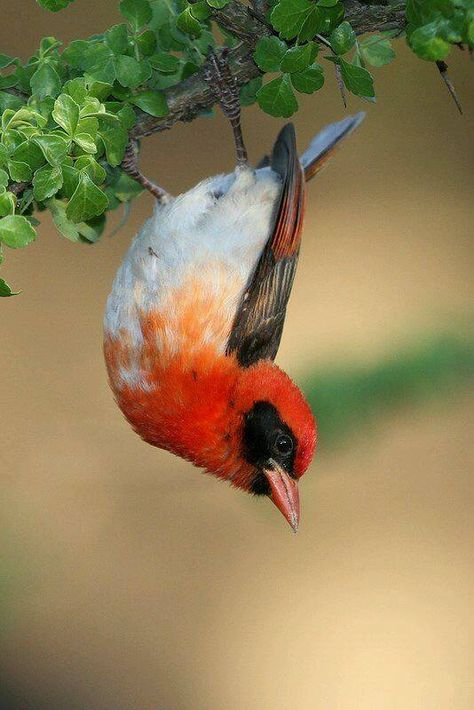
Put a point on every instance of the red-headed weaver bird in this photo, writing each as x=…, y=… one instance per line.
x=196, y=314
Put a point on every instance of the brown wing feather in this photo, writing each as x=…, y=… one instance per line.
x=259, y=321
x=258, y=325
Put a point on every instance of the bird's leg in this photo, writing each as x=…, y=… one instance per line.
x=130, y=166
x=219, y=77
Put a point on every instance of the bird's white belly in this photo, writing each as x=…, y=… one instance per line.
x=196, y=252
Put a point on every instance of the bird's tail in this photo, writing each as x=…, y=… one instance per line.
x=323, y=144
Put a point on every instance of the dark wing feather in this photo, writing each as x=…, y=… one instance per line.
x=258, y=325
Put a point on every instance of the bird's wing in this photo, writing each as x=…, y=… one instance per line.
x=258, y=324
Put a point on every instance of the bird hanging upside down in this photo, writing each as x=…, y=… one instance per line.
x=196, y=314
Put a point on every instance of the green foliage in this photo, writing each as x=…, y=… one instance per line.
x=347, y=399
x=64, y=129
x=436, y=25
x=66, y=112
x=54, y=5
x=305, y=28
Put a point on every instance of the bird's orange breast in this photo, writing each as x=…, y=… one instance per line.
x=174, y=383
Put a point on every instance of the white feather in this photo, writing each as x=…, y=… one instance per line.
x=214, y=232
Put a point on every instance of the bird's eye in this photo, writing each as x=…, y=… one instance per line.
x=284, y=444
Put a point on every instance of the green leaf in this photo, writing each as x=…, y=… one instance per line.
x=115, y=141
x=128, y=71
x=20, y=172
x=6, y=61
x=308, y=80
x=16, y=232
x=9, y=101
x=11, y=140
x=277, y=97
x=99, y=89
x=85, y=142
x=127, y=116
x=54, y=5
x=269, y=52
x=200, y=10
x=66, y=113
x=83, y=55
x=70, y=180
x=288, y=17
x=29, y=153
x=47, y=46
x=297, y=58
x=87, y=201
x=146, y=43
x=54, y=147
x=87, y=164
x=311, y=25
x=164, y=62
x=46, y=182
x=331, y=17
x=64, y=226
x=137, y=12
x=218, y=4
x=327, y=3
x=6, y=290
x=357, y=79
x=342, y=38
x=103, y=72
x=76, y=89
x=161, y=14
x=426, y=43
x=4, y=179
x=377, y=51
x=8, y=81
x=24, y=115
x=89, y=125
x=188, y=24
x=188, y=70
x=117, y=39
x=125, y=188
x=7, y=203
x=92, y=230
x=45, y=81
x=95, y=58
x=248, y=92
x=152, y=102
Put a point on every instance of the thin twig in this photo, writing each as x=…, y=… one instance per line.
x=130, y=166
x=340, y=84
x=443, y=71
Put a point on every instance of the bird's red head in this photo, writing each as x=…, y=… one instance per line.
x=250, y=426
x=275, y=435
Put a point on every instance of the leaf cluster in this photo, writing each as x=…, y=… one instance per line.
x=433, y=27
x=305, y=30
x=66, y=112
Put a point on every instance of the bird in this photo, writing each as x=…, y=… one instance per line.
x=195, y=316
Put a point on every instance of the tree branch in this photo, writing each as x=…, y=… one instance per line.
x=192, y=96
x=189, y=98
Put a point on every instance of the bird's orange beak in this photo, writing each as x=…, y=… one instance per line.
x=285, y=493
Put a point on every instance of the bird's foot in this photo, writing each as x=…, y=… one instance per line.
x=130, y=166
x=218, y=75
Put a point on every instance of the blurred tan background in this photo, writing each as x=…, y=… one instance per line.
x=129, y=580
